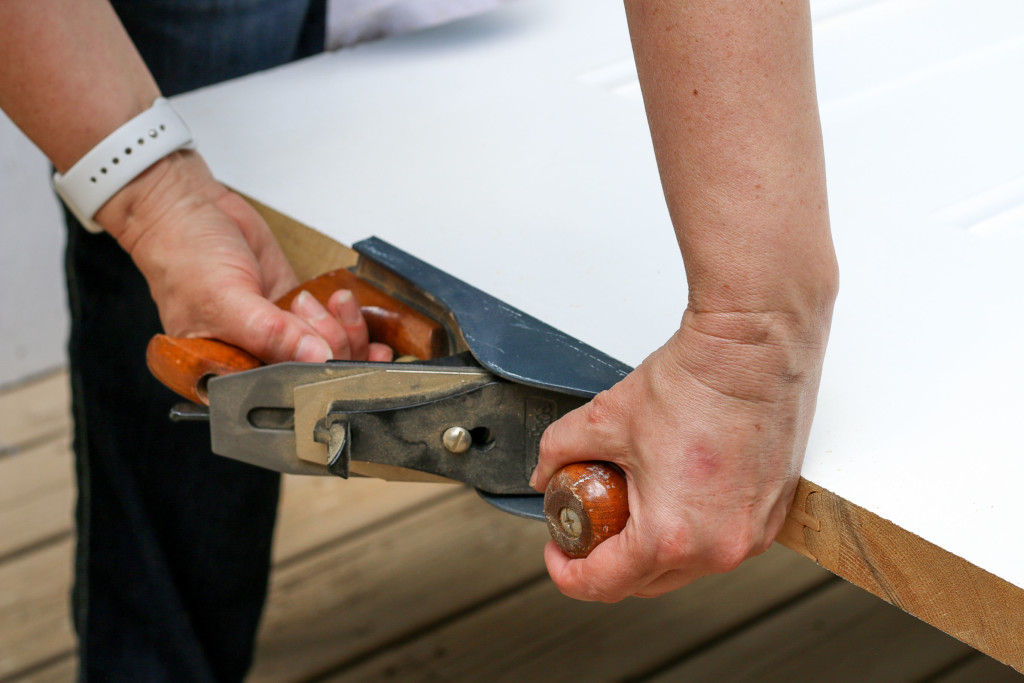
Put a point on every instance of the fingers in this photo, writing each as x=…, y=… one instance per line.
x=618, y=568
x=255, y=324
x=667, y=582
x=578, y=436
x=308, y=333
x=574, y=578
x=345, y=309
x=646, y=559
x=379, y=353
x=341, y=325
x=323, y=323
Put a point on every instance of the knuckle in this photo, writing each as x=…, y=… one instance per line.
x=549, y=439
x=761, y=547
x=727, y=559
x=677, y=549
x=275, y=330
x=601, y=410
x=731, y=552
x=274, y=327
x=674, y=549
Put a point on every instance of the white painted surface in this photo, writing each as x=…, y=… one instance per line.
x=512, y=150
x=355, y=21
x=33, y=316
x=461, y=145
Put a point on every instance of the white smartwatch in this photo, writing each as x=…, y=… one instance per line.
x=119, y=159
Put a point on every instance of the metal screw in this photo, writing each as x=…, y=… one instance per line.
x=570, y=521
x=457, y=440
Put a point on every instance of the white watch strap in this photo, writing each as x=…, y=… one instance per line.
x=119, y=159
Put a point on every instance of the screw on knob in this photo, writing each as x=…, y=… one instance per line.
x=570, y=521
x=457, y=440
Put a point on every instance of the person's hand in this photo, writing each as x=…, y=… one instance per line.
x=214, y=268
x=710, y=431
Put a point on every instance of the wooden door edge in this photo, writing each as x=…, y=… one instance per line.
x=310, y=252
x=938, y=587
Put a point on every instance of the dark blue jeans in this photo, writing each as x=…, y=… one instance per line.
x=173, y=542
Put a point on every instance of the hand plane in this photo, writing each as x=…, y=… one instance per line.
x=479, y=383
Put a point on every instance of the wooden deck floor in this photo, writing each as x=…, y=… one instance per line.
x=416, y=582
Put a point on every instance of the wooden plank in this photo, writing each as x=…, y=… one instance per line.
x=841, y=634
x=919, y=577
x=61, y=670
x=538, y=634
x=35, y=411
x=36, y=496
x=977, y=668
x=34, y=620
x=36, y=492
x=362, y=594
x=315, y=511
x=34, y=624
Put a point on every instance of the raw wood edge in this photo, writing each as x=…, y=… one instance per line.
x=792, y=533
x=936, y=586
x=310, y=252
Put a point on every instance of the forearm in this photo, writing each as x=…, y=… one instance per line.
x=69, y=74
x=730, y=97
x=711, y=428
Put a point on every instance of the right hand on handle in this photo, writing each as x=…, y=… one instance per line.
x=214, y=269
x=710, y=432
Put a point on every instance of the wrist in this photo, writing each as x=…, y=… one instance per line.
x=772, y=329
x=175, y=181
x=754, y=357
x=769, y=254
x=778, y=291
x=802, y=299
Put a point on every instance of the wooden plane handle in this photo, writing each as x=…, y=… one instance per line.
x=185, y=365
x=585, y=503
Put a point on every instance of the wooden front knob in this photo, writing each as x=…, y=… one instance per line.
x=585, y=503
